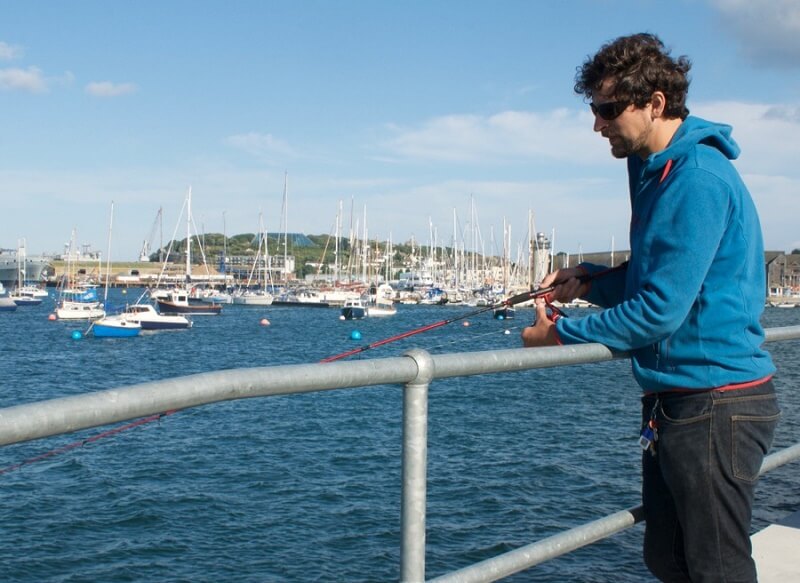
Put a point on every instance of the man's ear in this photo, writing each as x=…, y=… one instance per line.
x=658, y=103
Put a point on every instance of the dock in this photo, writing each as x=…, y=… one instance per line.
x=775, y=551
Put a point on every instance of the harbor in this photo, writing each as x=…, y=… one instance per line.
x=308, y=486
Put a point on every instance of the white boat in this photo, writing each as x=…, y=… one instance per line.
x=337, y=296
x=23, y=297
x=218, y=297
x=34, y=291
x=381, y=301
x=69, y=310
x=379, y=310
x=77, y=301
x=6, y=303
x=76, y=305
x=253, y=298
x=149, y=319
x=302, y=297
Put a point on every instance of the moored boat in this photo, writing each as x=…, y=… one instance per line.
x=253, y=298
x=22, y=297
x=301, y=298
x=353, y=309
x=80, y=305
x=116, y=326
x=177, y=302
x=504, y=313
x=6, y=303
x=381, y=301
x=149, y=319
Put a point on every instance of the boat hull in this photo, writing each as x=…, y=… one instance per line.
x=381, y=311
x=506, y=313
x=26, y=301
x=253, y=300
x=353, y=313
x=295, y=304
x=189, y=310
x=7, y=305
x=122, y=329
x=77, y=311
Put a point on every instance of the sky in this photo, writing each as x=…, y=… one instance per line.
x=424, y=119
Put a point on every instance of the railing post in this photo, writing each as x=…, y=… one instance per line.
x=415, y=461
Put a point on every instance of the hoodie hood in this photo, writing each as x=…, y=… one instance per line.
x=693, y=131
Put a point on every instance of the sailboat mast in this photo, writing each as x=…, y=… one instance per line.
x=108, y=256
x=189, y=236
x=285, y=218
x=336, y=258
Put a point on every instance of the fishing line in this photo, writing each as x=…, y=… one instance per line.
x=88, y=440
x=512, y=301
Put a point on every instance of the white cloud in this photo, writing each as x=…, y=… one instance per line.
x=109, y=89
x=767, y=134
x=29, y=79
x=508, y=136
x=9, y=52
x=768, y=30
x=262, y=146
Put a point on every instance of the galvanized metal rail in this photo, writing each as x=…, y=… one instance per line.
x=415, y=371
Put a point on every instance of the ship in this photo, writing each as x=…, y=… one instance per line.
x=12, y=264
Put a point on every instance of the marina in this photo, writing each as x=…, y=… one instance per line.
x=260, y=489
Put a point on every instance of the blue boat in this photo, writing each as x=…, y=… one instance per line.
x=118, y=326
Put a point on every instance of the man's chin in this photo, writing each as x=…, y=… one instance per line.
x=618, y=152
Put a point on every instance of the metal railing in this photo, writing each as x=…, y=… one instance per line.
x=415, y=371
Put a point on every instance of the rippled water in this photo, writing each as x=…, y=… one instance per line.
x=307, y=487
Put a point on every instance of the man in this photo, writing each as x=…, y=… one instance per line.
x=686, y=306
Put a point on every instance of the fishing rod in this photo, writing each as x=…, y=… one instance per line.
x=512, y=301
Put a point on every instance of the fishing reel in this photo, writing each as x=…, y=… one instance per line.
x=554, y=313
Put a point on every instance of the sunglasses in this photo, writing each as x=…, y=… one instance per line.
x=609, y=110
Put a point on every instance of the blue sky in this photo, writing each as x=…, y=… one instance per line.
x=410, y=109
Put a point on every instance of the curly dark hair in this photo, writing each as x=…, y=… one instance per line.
x=638, y=65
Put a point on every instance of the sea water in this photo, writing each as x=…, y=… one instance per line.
x=307, y=487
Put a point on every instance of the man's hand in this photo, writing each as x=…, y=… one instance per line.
x=543, y=331
x=567, y=285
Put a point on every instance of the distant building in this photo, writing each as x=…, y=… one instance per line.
x=783, y=273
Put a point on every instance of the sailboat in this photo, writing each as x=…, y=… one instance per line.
x=259, y=296
x=177, y=301
x=117, y=325
x=77, y=303
x=24, y=295
x=505, y=312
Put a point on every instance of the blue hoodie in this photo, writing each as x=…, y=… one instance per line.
x=689, y=303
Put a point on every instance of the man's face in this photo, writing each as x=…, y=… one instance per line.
x=626, y=127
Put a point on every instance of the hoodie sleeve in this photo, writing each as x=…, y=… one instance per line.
x=609, y=287
x=683, y=234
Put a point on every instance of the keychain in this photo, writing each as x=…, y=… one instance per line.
x=649, y=435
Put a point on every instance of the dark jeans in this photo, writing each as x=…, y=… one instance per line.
x=698, y=489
